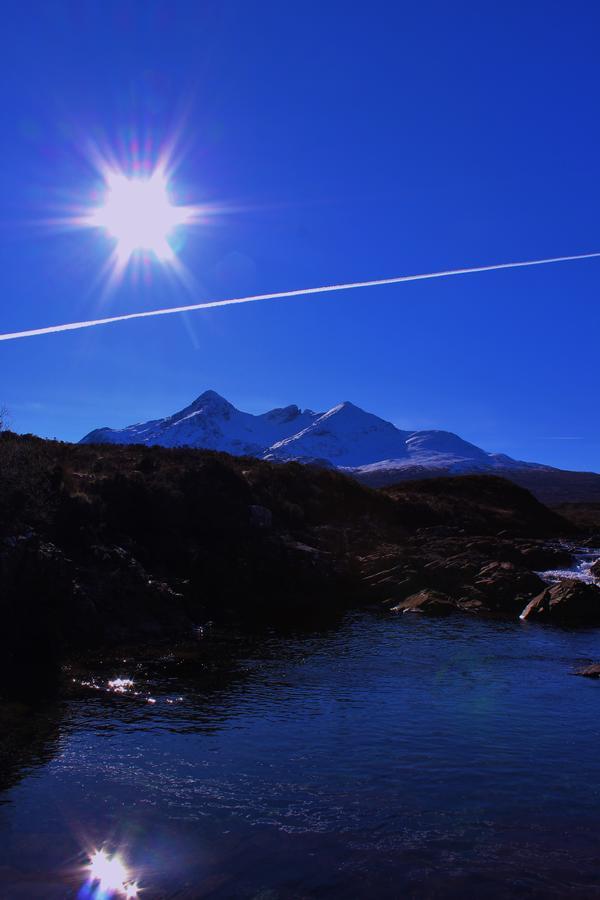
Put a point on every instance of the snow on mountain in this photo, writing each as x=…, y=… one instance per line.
x=213, y=423
x=440, y=450
x=345, y=436
x=424, y=443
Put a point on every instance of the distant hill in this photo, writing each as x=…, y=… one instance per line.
x=348, y=438
x=552, y=486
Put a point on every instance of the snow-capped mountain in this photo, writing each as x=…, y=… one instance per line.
x=213, y=423
x=344, y=436
x=357, y=442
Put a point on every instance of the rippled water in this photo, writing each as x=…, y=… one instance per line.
x=580, y=570
x=385, y=757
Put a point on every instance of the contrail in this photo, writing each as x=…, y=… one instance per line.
x=280, y=295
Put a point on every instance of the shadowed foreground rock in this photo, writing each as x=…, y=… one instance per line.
x=592, y=671
x=434, y=603
x=473, y=574
x=569, y=602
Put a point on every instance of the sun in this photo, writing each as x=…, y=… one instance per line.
x=138, y=213
x=134, y=207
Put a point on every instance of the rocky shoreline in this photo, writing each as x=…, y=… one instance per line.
x=439, y=574
x=105, y=544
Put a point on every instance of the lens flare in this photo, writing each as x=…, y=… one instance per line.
x=137, y=207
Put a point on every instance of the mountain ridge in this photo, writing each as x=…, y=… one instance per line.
x=345, y=437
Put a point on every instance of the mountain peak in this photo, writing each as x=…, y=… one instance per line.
x=346, y=406
x=208, y=404
x=283, y=413
x=211, y=397
x=211, y=402
x=345, y=436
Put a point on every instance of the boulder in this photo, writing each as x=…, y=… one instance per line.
x=388, y=579
x=595, y=569
x=391, y=588
x=541, y=557
x=471, y=600
x=434, y=603
x=447, y=574
x=505, y=586
x=592, y=671
x=569, y=602
x=118, y=599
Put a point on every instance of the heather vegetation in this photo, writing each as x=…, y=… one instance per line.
x=109, y=543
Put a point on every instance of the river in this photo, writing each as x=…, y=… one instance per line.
x=379, y=757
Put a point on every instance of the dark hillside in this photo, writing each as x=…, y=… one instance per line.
x=104, y=543
x=585, y=516
x=551, y=486
x=481, y=504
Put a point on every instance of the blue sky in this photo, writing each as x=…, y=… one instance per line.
x=343, y=143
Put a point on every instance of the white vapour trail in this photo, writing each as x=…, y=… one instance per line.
x=301, y=292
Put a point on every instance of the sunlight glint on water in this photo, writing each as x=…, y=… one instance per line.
x=373, y=759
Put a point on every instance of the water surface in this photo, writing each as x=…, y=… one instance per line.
x=384, y=757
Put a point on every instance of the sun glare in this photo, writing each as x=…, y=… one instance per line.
x=111, y=875
x=136, y=210
x=139, y=214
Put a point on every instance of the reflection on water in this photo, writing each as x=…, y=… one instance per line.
x=29, y=737
x=107, y=875
x=384, y=758
x=124, y=686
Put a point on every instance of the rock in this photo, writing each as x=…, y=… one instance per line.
x=433, y=603
x=118, y=599
x=393, y=584
x=595, y=569
x=569, y=602
x=474, y=577
x=305, y=551
x=447, y=574
x=540, y=557
x=505, y=586
x=433, y=532
x=36, y=581
x=494, y=549
x=391, y=590
x=261, y=517
x=469, y=605
x=592, y=671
